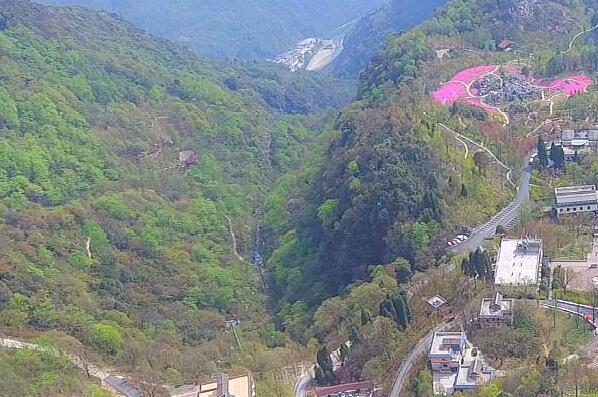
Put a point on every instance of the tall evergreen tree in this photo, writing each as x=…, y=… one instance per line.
x=354, y=335
x=542, y=155
x=402, y=316
x=466, y=267
x=408, y=308
x=324, y=361
x=319, y=376
x=552, y=154
x=365, y=317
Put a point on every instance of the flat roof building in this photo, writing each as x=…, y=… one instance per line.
x=446, y=350
x=456, y=364
x=496, y=312
x=519, y=262
x=575, y=199
x=225, y=386
x=437, y=304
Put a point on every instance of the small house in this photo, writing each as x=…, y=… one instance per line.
x=188, y=158
x=496, y=312
x=506, y=45
x=438, y=305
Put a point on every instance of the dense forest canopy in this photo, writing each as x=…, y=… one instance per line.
x=111, y=232
x=387, y=190
x=235, y=28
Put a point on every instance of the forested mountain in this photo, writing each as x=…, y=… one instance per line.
x=371, y=31
x=235, y=28
x=127, y=164
x=391, y=184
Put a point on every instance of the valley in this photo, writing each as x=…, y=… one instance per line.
x=176, y=225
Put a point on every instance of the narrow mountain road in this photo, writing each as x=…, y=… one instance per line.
x=505, y=217
x=577, y=36
x=408, y=362
x=424, y=343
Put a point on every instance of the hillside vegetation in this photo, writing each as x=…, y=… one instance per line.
x=392, y=184
x=235, y=28
x=370, y=33
x=105, y=235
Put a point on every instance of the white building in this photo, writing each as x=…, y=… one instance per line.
x=456, y=364
x=575, y=199
x=519, y=262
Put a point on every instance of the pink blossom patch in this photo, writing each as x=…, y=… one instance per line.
x=450, y=92
x=478, y=102
x=573, y=85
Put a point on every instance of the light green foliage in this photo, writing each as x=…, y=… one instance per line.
x=95, y=232
x=30, y=373
x=327, y=211
x=106, y=338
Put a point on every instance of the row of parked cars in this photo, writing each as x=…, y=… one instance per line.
x=457, y=240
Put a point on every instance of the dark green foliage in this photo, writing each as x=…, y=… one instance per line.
x=365, y=317
x=343, y=352
x=354, y=335
x=403, y=270
x=398, y=309
x=542, y=155
x=464, y=192
x=319, y=375
x=557, y=155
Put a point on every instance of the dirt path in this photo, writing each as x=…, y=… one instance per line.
x=234, y=239
x=576, y=37
x=481, y=147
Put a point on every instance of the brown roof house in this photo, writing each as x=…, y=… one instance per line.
x=506, y=45
x=188, y=158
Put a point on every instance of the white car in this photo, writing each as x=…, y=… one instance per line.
x=462, y=237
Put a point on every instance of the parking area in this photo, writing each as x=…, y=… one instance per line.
x=582, y=275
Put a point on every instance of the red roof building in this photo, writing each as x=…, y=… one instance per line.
x=357, y=389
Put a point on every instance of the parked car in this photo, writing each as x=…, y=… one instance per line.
x=594, y=266
x=462, y=237
x=450, y=243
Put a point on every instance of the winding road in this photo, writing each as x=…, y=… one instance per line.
x=424, y=344
x=509, y=213
x=505, y=218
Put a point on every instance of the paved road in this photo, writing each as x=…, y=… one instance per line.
x=424, y=344
x=588, y=312
x=506, y=217
x=421, y=348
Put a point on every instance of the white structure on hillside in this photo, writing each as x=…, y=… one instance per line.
x=519, y=262
x=575, y=199
x=456, y=364
x=496, y=312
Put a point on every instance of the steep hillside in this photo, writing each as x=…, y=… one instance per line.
x=394, y=181
x=238, y=28
x=128, y=167
x=370, y=33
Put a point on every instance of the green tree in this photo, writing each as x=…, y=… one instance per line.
x=402, y=269
x=106, y=338
x=365, y=317
x=327, y=211
x=542, y=155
